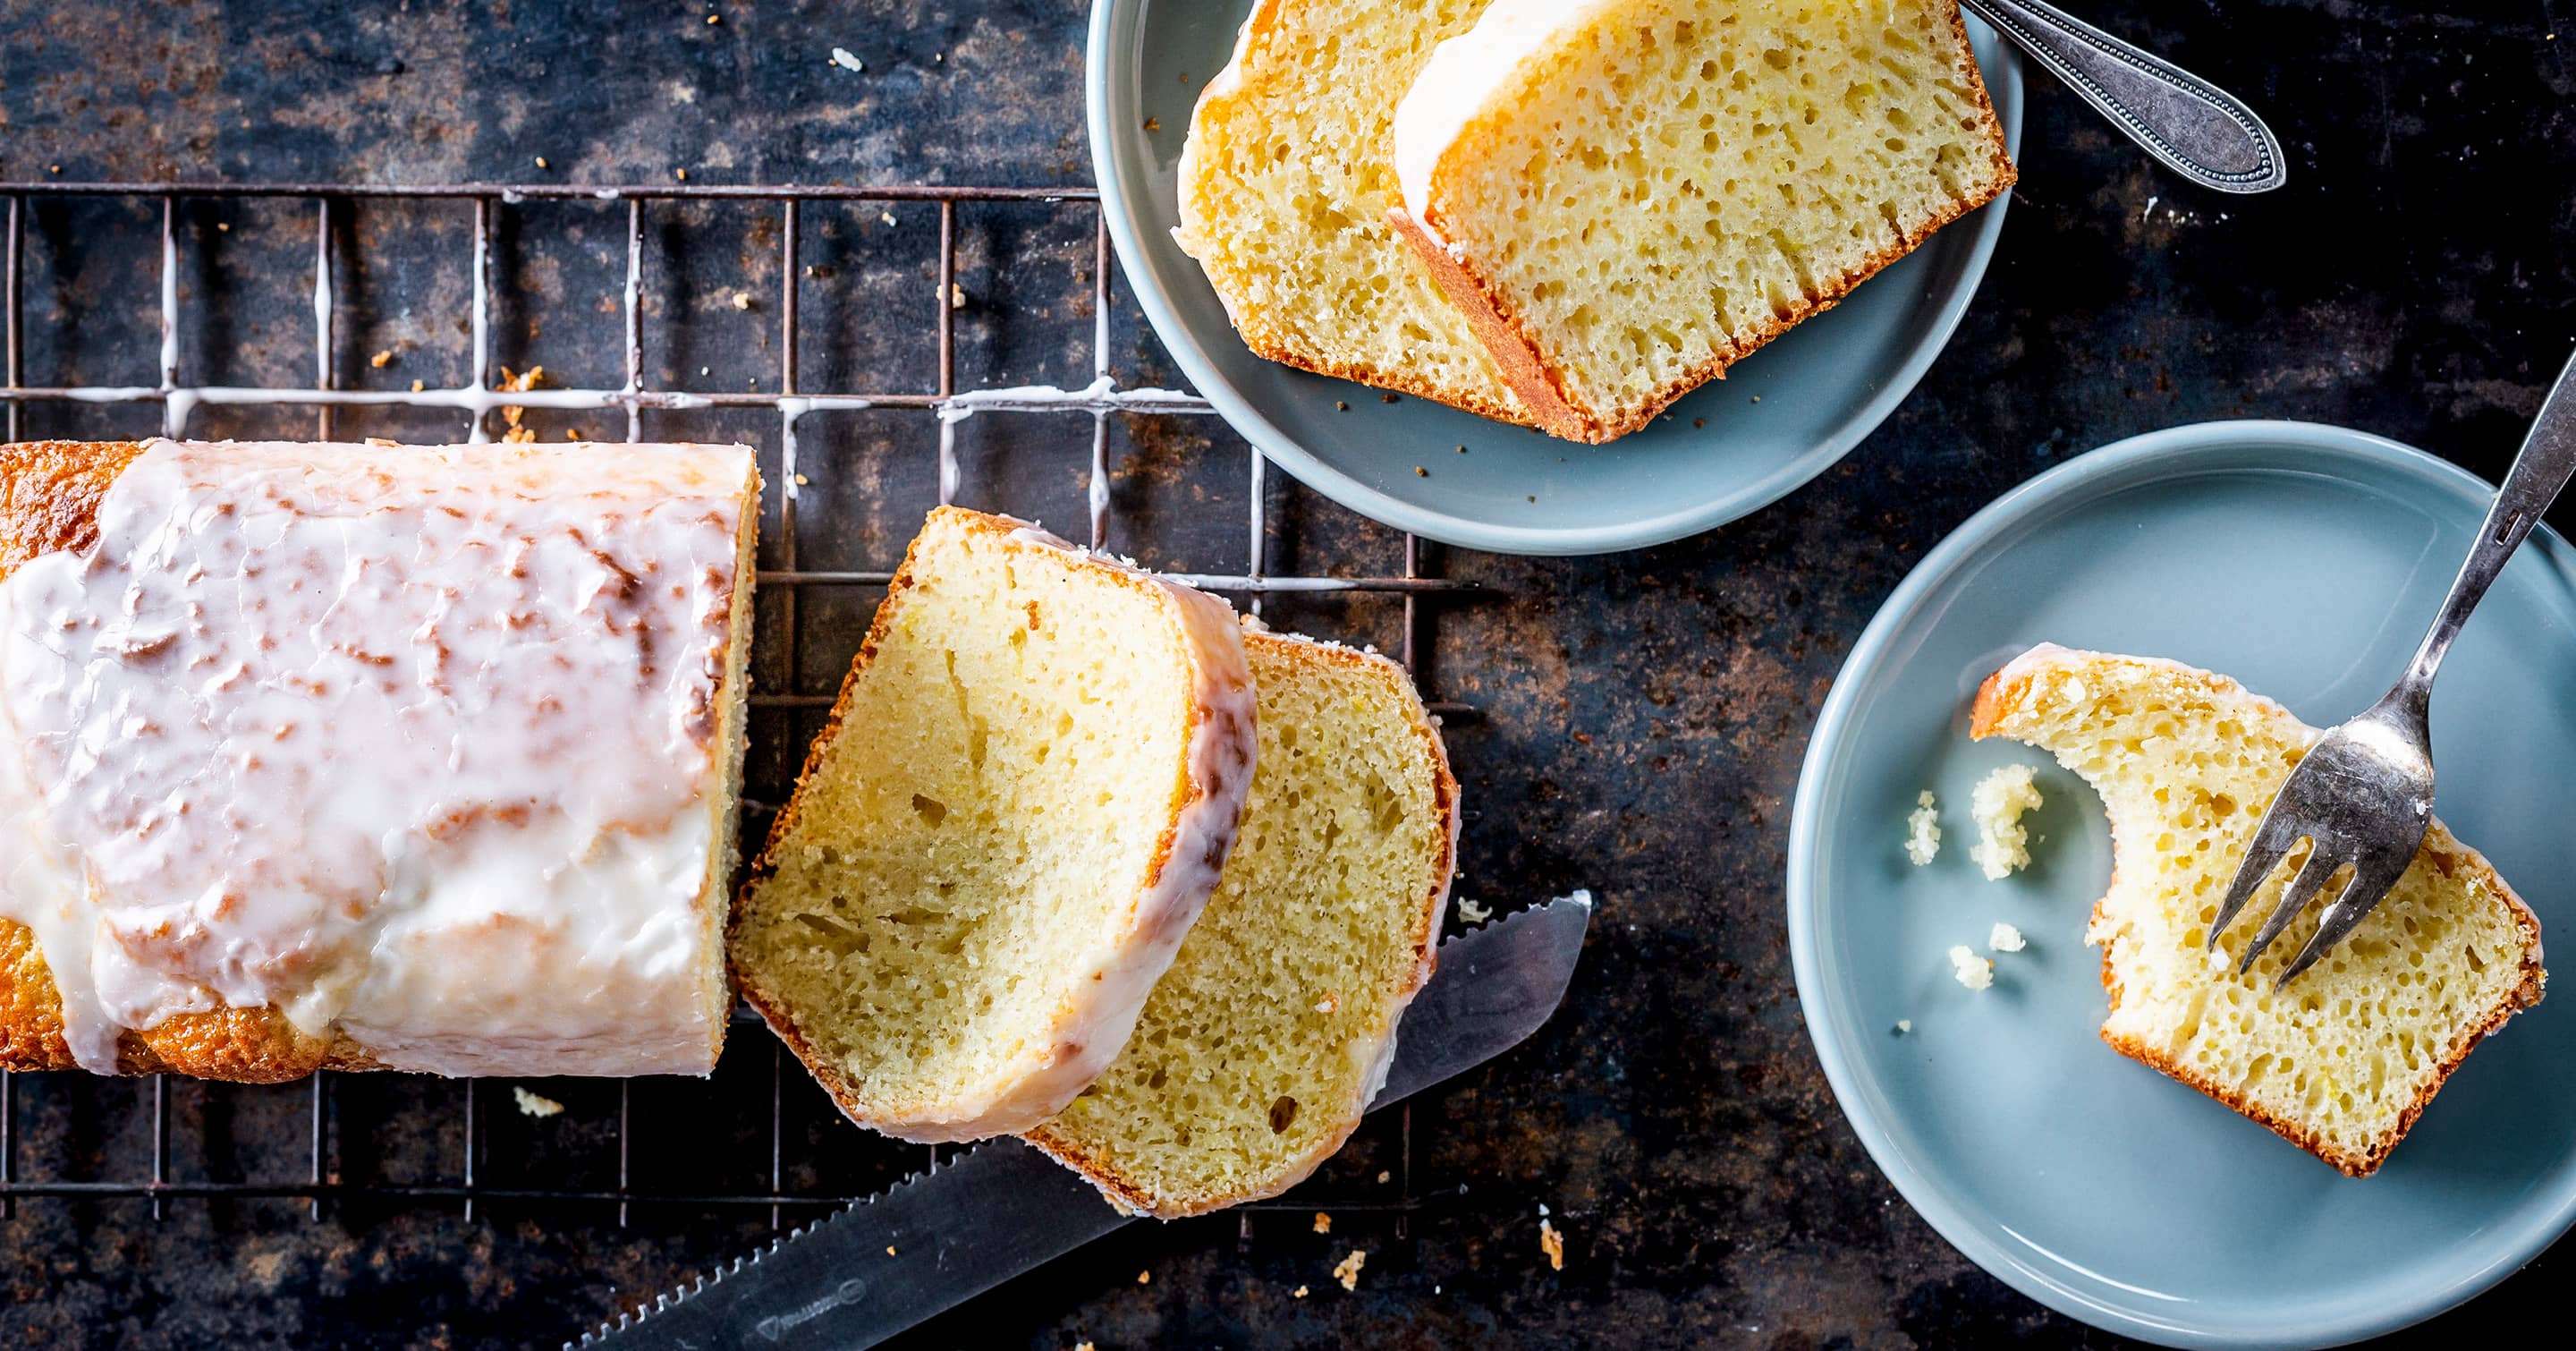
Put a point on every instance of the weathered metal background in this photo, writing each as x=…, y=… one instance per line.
x=1644, y=714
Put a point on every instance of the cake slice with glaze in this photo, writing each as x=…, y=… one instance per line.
x=2343, y=1060
x=1020, y=802
x=1262, y=1046
x=1623, y=197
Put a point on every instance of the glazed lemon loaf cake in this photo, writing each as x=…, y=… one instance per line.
x=1020, y=803
x=2342, y=1061
x=363, y=757
x=1624, y=196
x=1261, y=1047
x=1285, y=182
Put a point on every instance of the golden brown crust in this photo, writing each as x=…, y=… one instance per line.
x=49, y=492
x=1504, y=338
x=1997, y=697
x=1103, y=1171
x=1399, y=381
x=1509, y=339
x=49, y=496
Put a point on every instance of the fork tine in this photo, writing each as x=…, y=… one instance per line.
x=2272, y=841
x=2359, y=896
x=2294, y=897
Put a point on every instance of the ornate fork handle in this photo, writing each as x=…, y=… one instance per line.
x=2198, y=129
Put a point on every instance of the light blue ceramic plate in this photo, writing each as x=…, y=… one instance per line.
x=2091, y=1183
x=1821, y=388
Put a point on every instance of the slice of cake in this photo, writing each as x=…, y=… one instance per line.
x=1021, y=801
x=1285, y=182
x=369, y=757
x=1625, y=196
x=1263, y=1044
x=2342, y=1061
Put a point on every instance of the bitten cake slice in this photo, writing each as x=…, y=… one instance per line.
x=1261, y=1047
x=359, y=757
x=1021, y=801
x=2342, y=1061
x=1624, y=196
x=1285, y=182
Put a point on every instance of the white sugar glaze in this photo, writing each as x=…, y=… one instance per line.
x=418, y=745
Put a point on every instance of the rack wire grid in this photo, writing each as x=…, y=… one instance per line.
x=450, y=1128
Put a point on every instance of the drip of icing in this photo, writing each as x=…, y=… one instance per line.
x=1453, y=85
x=1223, y=747
x=1100, y=396
x=416, y=745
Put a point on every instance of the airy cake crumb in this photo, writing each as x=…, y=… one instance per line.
x=1922, y=830
x=1971, y=970
x=2003, y=843
x=531, y=1104
x=1323, y=1223
x=1347, y=1271
x=1472, y=911
x=2006, y=938
x=1552, y=1242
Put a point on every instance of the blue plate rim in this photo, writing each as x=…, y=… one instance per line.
x=1834, y=1043
x=1122, y=214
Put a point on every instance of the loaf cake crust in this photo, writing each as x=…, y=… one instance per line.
x=1294, y=979
x=2033, y=699
x=1093, y=978
x=51, y=496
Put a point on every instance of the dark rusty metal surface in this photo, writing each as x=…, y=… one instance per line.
x=1644, y=714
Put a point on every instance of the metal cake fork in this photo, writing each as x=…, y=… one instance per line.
x=2364, y=793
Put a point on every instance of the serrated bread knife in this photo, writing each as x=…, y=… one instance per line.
x=929, y=1243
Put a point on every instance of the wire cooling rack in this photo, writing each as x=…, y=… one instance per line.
x=317, y=1142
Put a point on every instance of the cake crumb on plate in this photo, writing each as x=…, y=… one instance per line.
x=2003, y=843
x=1922, y=830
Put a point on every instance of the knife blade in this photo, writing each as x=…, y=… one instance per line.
x=884, y=1264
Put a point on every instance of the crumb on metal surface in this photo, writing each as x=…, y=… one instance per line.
x=531, y=1104
x=1323, y=1223
x=1347, y=1271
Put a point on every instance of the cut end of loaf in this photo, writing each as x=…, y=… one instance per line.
x=2340, y=1063
x=1256, y=1054
x=1017, y=808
